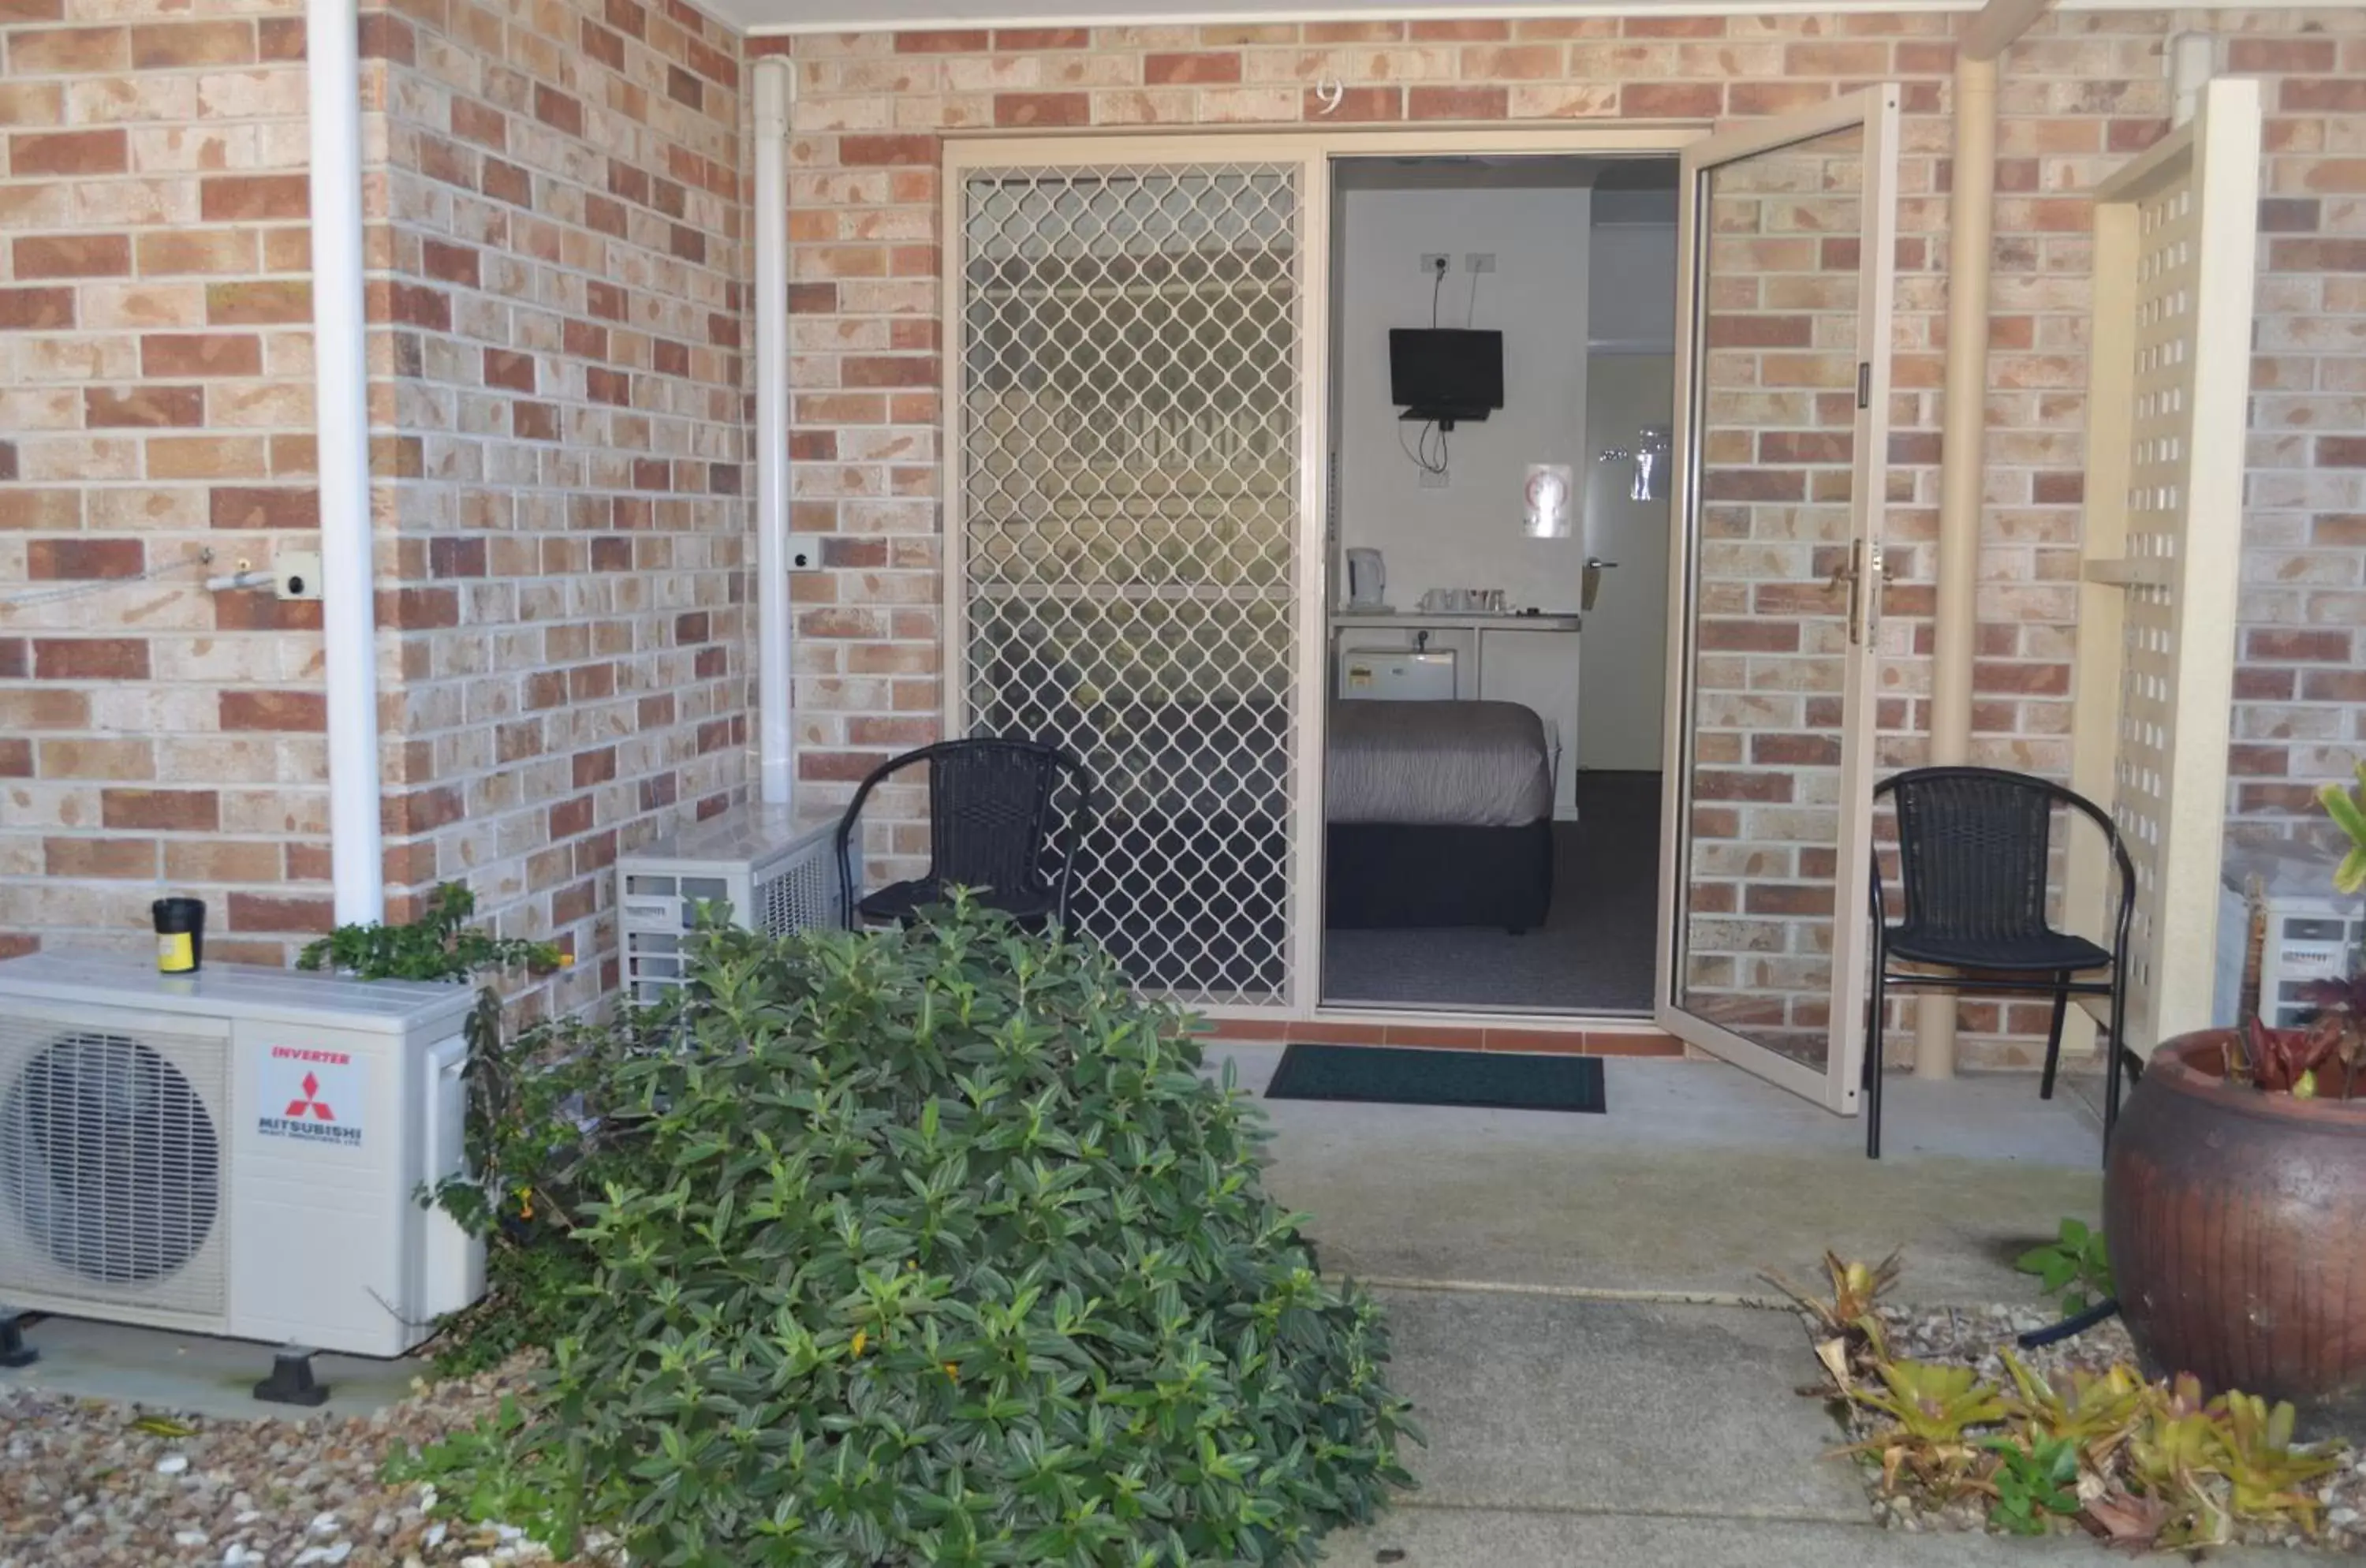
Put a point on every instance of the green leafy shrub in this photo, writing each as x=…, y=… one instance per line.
x=439, y=945
x=936, y=1246
x=551, y=1122
x=519, y=1147
x=2075, y=1269
x=2033, y=1485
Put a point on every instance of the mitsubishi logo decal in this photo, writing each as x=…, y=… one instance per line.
x=311, y=1101
x=324, y=1089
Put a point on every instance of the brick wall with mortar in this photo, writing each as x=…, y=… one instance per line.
x=556, y=401
x=155, y=400
x=557, y=334
x=2084, y=93
x=152, y=326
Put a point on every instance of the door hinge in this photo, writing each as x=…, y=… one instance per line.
x=1864, y=384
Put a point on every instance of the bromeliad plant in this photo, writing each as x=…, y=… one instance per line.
x=2138, y=1464
x=2323, y=1057
x=936, y=1246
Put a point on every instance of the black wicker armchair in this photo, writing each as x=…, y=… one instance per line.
x=1973, y=851
x=999, y=823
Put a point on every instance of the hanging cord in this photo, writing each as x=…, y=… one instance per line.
x=1418, y=453
x=66, y=591
x=1470, y=316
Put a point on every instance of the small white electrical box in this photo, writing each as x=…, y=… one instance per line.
x=297, y=573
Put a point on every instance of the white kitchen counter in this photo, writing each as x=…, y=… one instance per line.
x=1467, y=621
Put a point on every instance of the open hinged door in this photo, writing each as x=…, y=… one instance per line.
x=2176, y=231
x=1786, y=235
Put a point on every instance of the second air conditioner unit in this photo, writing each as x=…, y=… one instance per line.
x=772, y=868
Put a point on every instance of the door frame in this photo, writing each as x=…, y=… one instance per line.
x=1836, y=1086
x=1314, y=147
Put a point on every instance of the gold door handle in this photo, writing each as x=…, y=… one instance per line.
x=1866, y=570
x=1852, y=572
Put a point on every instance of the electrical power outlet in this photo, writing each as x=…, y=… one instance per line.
x=1432, y=481
x=1479, y=261
x=1434, y=262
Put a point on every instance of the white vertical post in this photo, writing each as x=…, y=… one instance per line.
x=341, y=420
x=775, y=632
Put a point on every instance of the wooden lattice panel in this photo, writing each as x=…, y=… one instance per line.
x=2163, y=546
x=2158, y=485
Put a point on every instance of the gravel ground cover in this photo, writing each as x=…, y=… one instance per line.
x=1977, y=1336
x=91, y=1483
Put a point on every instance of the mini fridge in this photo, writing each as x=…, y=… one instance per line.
x=1398, y=674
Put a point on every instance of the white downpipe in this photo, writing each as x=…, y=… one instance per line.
x=1963, y=459
x=775, y=743
x=341, y=421
x=2192, y=61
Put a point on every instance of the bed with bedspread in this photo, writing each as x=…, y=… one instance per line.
x=1437, y=814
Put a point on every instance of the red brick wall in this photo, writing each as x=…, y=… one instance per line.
x=556, y=297
x=556, y=399
x=155, y=401
x=558, y=372
x=2083, y=93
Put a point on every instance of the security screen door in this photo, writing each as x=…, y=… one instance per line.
x=1128, y=360
x=1786, y=234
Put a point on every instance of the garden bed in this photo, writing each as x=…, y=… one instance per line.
x=1978, y=1337
x=92, y=1484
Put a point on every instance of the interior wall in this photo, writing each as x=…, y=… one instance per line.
x=1630, y=379
x=1468, y=533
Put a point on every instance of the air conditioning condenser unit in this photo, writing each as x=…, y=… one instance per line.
x=769, y=868
x=236, y=1152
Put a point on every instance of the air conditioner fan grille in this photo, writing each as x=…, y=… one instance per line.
x=111, y=1166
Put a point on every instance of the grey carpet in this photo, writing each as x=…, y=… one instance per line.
x=1593, y=955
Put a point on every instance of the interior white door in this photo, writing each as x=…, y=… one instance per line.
x=1622, y=703
x=1786, y=235
x=2171, y=372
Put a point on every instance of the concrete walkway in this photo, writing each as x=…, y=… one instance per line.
x=1567, y=1293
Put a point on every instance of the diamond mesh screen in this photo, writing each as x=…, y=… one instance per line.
x=1130, y=411
x=111, y=1166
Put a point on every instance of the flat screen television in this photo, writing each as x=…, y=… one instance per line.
x=1446, y=374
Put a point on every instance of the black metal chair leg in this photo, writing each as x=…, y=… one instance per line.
x=1871, y=1108
x=2054, y=1036
x=2112, y=1054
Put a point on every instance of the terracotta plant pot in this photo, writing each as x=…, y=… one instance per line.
x=2237, y=1224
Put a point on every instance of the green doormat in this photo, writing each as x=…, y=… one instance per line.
x=1415, y=1075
